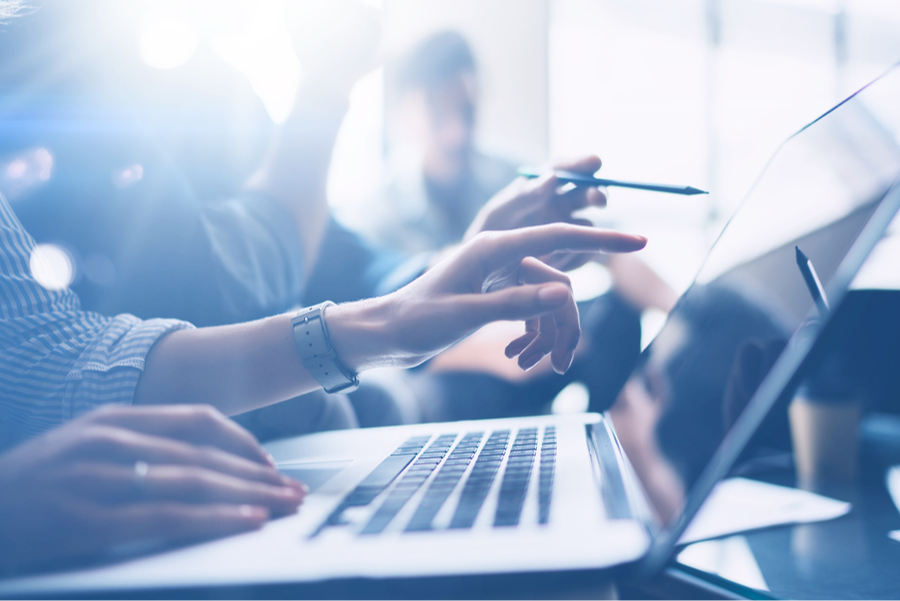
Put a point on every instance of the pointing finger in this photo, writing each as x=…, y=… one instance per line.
x=500, y=249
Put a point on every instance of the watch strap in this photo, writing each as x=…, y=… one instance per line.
x=317, y=354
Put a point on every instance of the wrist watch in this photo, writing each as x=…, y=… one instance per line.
x=316, y=352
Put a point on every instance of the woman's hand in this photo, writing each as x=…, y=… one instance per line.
x=493, y=277
x=135, y=474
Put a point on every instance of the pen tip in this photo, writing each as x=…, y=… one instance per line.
x=691, y=190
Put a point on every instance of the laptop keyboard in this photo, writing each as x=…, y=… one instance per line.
x=442, y=467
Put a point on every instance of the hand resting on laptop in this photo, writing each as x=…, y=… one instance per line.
x=89, y=486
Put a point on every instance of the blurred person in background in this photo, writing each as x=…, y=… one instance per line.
x=439, y=180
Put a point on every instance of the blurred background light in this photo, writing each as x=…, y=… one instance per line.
x=25, y=171
x=167, y=37
x=590, y=281
x=52, y=266
x=264, y=53
x=358, y=155
x=652, y=321
x=574, y=398
x=122, y=178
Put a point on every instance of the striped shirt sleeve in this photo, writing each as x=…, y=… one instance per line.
x=56, y=361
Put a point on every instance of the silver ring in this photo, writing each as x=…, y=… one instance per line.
x=141, y=469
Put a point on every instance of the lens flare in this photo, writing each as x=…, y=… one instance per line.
x=52, y=266
x=263, y=52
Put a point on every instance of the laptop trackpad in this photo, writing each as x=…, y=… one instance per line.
x=313, y=473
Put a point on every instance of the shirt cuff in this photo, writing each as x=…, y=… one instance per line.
x=107, y=372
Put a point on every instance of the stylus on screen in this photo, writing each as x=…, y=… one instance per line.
x=580, y=179
x=813, y=283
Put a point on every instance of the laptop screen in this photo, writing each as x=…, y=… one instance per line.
x=749, y=306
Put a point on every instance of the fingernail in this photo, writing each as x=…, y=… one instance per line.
x=271, y=459
x=529, y=361
x=252, y=512
x=552, y=296
x=290, y=492
x=567, y=363
x=295, y=485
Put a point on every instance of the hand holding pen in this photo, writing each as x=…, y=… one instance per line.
x=536, y=201
x=588, y=179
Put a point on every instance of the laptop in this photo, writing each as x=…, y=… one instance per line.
x=562, y=493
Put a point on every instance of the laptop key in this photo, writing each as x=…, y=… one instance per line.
x=406, y=488
x=438, y=492
x=377, y=480
x=479, y=483
x=515, y=479
x=545, y=482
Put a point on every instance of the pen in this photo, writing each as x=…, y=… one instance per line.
x=812, y=282
x=580, y=179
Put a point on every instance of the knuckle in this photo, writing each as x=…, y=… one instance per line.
x=205, y=417
x=102, y=414
x=201, y=482
x=207, y=455
x=483, y=239
x=168, y=517
x=102, y=438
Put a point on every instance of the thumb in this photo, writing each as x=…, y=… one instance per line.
x=516, y=303
x=585, y=164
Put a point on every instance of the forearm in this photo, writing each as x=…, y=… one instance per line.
x=241, y=367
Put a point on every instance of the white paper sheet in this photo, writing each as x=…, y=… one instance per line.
x=730, y=558
x=893, y=486
x=739, y=504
